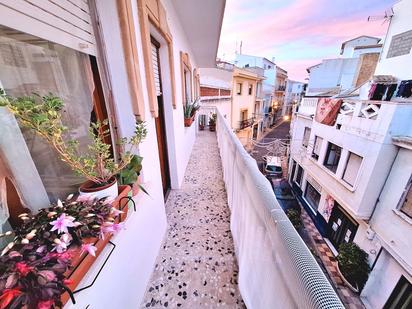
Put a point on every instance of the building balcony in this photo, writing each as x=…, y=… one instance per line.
x=243, y=124
x=229, y=244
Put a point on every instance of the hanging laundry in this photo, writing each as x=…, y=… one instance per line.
x=371, y=91
x=405, y=89
x=327, y=110
x=390, y=91
x=379, y=92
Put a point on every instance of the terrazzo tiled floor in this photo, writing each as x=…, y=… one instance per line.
x=196, y=266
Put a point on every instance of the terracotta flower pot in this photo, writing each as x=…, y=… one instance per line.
x=82, y=261
x=110, y=190
x=189, y=121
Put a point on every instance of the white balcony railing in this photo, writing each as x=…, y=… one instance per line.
x=276, y=269
x=308, y=105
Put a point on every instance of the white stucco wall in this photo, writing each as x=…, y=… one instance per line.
x=400, y=22
x=348, y=51
x=333, y=73
x=382, y=280
x=132, y=262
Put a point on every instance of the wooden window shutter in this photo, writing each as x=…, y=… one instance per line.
x=156, y=69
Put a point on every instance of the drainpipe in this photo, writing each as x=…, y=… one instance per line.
x=383, y=186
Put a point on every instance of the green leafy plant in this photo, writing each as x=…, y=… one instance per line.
x=42, y=114
x=294, y=217
x=212, y=119
x=353, y=264
x=131, y=172
x=191, y=108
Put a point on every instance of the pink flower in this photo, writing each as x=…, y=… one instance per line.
x=64, y=242
x=23, y=268
x=62, y=223
x=45, y=304
x=117, y=227
x=89, y=248
x=115, y=212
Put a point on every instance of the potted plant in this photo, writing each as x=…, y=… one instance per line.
x=294, y=217
x=43, y=115
x=353, y=266
x=212, y=122
x=189, y=112
x=52, y=250
x=130, y=175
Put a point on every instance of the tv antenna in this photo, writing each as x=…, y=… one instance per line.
x=388, y=15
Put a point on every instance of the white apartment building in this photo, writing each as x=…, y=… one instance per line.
x=333, y=76
x=353, y=176
x=293, y=95
x=114, y=60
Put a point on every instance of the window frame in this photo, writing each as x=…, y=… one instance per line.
x=299, y=168
x=346, y=167
x=239, y=91
x=404, y=197
x=250, y=89
x=305, y=142
x=309, y=201
x=315, y=155
x=333, y=168
x=186, y=78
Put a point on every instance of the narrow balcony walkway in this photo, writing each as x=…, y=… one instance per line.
x=196, y=266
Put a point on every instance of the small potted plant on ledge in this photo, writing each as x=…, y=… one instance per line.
x=130, y=175
x=212, y=122
x=42, y=114
x=189, y=112
x=353, y=266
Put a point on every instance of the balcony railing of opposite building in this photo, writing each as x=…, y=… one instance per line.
x=276, y=269
x=280, y=88
x=243, y=124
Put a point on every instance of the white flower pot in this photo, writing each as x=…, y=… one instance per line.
x=108, y=191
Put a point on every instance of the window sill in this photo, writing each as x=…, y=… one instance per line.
x=403, y=216
x=344, y=184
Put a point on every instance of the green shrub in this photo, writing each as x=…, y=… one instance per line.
x=353, y=264
x=294, y=217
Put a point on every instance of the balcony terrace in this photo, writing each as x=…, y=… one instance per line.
x=229, y=244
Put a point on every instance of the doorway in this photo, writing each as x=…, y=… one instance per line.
x=342, y=228
x=160, y=119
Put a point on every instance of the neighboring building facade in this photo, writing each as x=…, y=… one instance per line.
x=353, y=174
x=246, y=105
x=294, y=92
x=216, y=92
x=271, y=106
x=333, y=76
x=280, y=92
x=114, y=60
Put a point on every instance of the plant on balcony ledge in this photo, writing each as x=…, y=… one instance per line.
x=34, y=266
x=212, y=122
x=189, y=112
x=42, y=114
x=353, y=266
x=131, y=173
